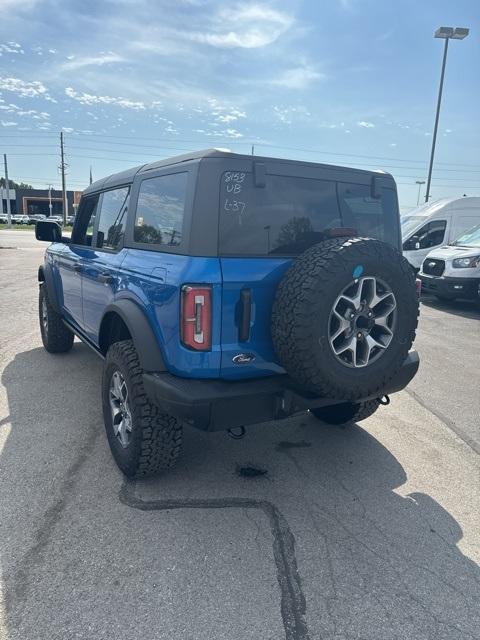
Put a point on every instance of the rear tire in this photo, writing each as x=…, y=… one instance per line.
x=143, y=440
x=56, y=337
x=347, y=412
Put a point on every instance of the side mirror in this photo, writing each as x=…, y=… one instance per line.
x=48, y=231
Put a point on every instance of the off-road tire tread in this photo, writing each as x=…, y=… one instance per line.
x=161, y=433
x=59, y=338
x=291, y=318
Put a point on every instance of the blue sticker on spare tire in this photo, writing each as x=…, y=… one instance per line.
x=357, y=272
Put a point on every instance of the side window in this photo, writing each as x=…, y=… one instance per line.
x=82, y=231
x=430, y=235
x=160, y=210
x=434, y=235
x=112, y=218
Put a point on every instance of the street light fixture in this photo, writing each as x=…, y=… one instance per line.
x=447, y=33
x=419, y=182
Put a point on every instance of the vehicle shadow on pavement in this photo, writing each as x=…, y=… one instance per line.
x=463, y=308
x=367, y=563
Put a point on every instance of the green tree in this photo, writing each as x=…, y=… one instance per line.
x=14, y=185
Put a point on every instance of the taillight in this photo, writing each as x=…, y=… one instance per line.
x=196, y=317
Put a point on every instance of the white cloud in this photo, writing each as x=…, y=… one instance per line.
x=232, y=133
x=248, y=27
x=25, y=89
x=8, y=123
x=287, y=114
x=17, y=5
x=68, y=129
x=392, y=144
x=298, y=77
x=366, y=125
x=88, y=61
x=88, y=98
x=11, y=47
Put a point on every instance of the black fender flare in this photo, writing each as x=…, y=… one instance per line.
x=142, y=334
x=45, y=277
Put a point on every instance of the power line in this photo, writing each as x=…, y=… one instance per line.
x=245, y=141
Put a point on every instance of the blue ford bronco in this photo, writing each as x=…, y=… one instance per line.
x=224, y=290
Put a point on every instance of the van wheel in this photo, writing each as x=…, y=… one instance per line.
x=143, y=440
x=56, y=337
x=346, y=412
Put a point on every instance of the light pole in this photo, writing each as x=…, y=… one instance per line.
x=50, y=200
x=447, y=33
x=419, y=182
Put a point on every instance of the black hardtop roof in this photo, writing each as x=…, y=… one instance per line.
x=125, y=177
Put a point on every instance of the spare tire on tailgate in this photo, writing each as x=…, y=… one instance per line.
x=344, y=317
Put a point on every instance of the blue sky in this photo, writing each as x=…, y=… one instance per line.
x=350, y=82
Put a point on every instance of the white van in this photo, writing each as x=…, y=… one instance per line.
x=453, y=271
x=435, y=224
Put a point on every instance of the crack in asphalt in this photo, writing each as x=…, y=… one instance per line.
x=293, y=603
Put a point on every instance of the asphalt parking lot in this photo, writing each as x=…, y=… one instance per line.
x=369, y=532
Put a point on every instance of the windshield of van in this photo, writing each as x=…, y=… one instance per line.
x=408, y=224
x=470, y=238
x=290, y=214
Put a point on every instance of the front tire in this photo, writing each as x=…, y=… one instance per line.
x=347, y=412
x=56, y=337
x=143, y=440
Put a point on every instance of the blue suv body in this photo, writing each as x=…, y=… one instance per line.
x=178, y=264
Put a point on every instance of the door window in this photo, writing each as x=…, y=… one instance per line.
x=430, y=235
x=160, y=210
x=112, y=218
x=82, y=232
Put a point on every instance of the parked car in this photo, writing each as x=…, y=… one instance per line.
x=290, y=294
x=453, y=271
x=3, y=218
x=32, y=219
x=70, y=220
x=57, y=219
x=435, y=224
x=20, y=219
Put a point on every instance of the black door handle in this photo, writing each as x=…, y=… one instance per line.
x=245, y=315
x=77, y=267
x=105, y=278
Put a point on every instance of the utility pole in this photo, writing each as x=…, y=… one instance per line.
x=64, y=189
x=91, y=179
x=50, y=200
x=7, y=189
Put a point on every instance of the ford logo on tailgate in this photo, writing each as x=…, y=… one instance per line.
x=243, y=358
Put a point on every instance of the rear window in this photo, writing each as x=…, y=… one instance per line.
x=290, y=214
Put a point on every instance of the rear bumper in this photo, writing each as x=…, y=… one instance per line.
x=216, y=405
x=451, y=287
